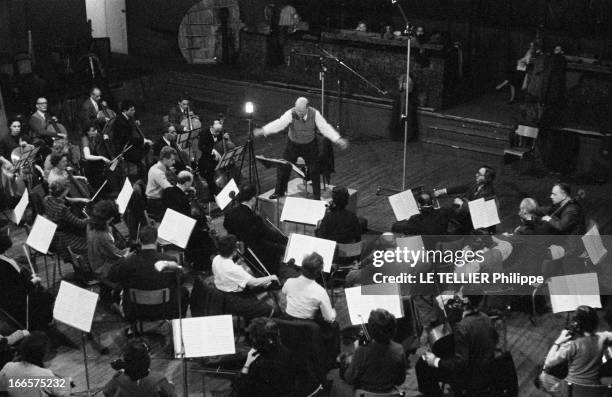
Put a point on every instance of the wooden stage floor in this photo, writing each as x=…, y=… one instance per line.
x=364, y=166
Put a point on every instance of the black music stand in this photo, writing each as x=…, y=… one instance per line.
x=27, y=160
x=231, y=157
x=184, y=140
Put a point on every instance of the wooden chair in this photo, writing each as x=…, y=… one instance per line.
x=523, y=151
x=570, y=389
x=153, y=299
x=345, y=252
x=394, y=393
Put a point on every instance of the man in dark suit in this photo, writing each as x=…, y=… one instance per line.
x=91, y=107
x=169, y=139
x=124, y=135
x=139, y=271
x=39, y=122
x=339, y=224
x=200, y=246
x=248, y=227
x=468, y=369
x=429, y=222
x=180, y=111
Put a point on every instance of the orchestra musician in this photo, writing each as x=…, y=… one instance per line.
x=303, y=121
x=169, y=139
x=94, y=161
x=157, y=181
x=124, y=135
x=180, y=198
x=9, y=143
x=250, y=228
x=59, y=168
x=339, y=224
x=237, y=283
x=90, y=111
x=212, y=143
x=39, y=124
x=468, y=369
x=181, y=111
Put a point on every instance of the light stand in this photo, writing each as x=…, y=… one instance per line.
x=404, y=116
x=250, y=150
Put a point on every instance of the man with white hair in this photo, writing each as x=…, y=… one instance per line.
x=303, y=122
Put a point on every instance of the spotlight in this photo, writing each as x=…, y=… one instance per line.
x=249, y=108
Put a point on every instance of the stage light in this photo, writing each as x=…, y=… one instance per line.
x=249, y=108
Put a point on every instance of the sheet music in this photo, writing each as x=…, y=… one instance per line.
x=281, y=162
x=41, y=235
x=176, y=228
x=569, y=292
x=301, y=210
x=124, y=196
x=204, y=336
x=75, y=306
x=483, y=213
x=594, y=245
x=413, y=243
x=404, y=205
x=300, y=245
x=20, y=208
x=223, y=199
x=361, y=303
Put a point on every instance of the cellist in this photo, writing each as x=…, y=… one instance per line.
x=124, y=136
x=94, y=161
x=90, y=111
x=42, y=135
x=180, y=112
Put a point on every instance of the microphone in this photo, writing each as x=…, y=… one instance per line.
x=161, y=266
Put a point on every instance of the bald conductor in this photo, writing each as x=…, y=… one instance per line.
x=303, y=122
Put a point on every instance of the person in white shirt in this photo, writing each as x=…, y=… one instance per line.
x=157, y=181
x=32, y=352
x=303, y=121
x=237, y=283
x=304, y=297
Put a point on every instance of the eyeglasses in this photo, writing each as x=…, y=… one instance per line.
x=41, y=103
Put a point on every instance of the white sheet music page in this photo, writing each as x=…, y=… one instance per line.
x=204, y=336
x=223, y=198
x=483, y=213
x=124, y=196
x=41, y=235
x=176, y=228
x=301, y=210
x=20, y=208
x=300, y=245
x=75, y=306
x=404, y=205
x=569, y=292
x=594, y=245
x=377, y=296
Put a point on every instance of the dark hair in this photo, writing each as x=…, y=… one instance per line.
x=148, y=235
x=474, y=300
x=126, y=105
x=247, y=191
x=184, y=97
x=167, y=152
x=381, y=325
x=56, y=158
x=340, y=197
x=480, y=240
x=136, y=360
x=5, y=242
x=102, y=212
x=95, y=124
x=565, y=187
x=58, y=186
x=227, y=245
x=489, y=173
x=13, y=119
x=585, y=319
x=34, y=347
x=312, y=265
x=264, y=335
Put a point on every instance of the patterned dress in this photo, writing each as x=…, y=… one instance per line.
x=71, y=230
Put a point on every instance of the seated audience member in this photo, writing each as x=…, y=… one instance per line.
x=71, y=230
x=157, y=181
x=429, y=222
x=580, y=347
x=200, y=245
x=30, y=365
x=339, y=224
x=135, y=377
x=237, y=283
x=305, y=298
x=376, y=367
x=101, y=249
x=269, y=369
x=467, y=370
x=138, y=271
x=250, y=228
x=17, y=287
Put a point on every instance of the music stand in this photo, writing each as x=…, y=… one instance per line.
x=27, y=161
x=230, y=158
x=184, y=139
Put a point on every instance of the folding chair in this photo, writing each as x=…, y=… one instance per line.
x=522, y=151
x=345, y=253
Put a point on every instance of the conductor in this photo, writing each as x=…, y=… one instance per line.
x=303, y=121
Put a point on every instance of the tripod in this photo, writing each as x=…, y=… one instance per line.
x=250, y=153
